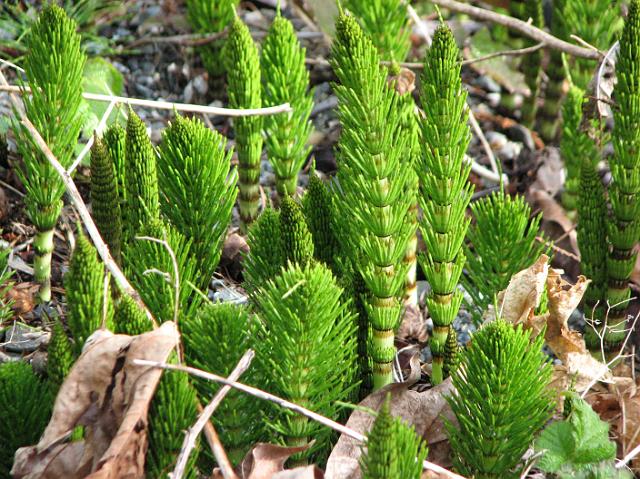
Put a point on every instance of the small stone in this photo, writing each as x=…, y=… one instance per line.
x=7, y=358
x=22, y=339
x=521, y=134
x=488, y=84
x=39, y=362
x=494, y=99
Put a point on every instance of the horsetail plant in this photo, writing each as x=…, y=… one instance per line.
x=60, y=356
x=207, y=17
x=26, y=408
x=244, y=89
x=318, y=210
x=387, y=24
x=265, y=257
x=141, y=178
x=85, y=290
x=173, y=410
x=574, y=145
x=296, y=240
x=307, y=352
x=374, y=190
x=215, y=339
x=115, y=139
x=445, y=189
x=6, y=285
x=624, y=192
x=285, y=79
x=197, y=189
x=149, y=263
x=53, y=65
x=394, y=450
x=490, y=265
x=105, y=201
x=597, y=22
x=502, y=400
x=129, y=318
x=592, y=241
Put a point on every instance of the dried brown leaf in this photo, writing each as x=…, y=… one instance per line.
x=110, y=397
x=266, y=461
x=404, y=82
x=523, y=293
x=413, y=328
x=424, y=410
x=629, y=423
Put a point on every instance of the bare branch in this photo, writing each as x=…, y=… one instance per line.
x=523, y=27
x=192, y=434
x=285, y=404
x=166, y=105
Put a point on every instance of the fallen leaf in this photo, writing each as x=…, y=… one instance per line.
x=403, y=82
x=413, y=328
x=523, y=293
x=518, y=303
x=23, y=296
x=266, y=461
x=235, y=246
x=424, y=410
x=110, y=397
x=629, y=423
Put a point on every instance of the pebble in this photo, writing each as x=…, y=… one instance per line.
x=488, y=84
x=22, y=339
x=7, y=358
x=494, y=99
x=501, y=145
x=523, y=135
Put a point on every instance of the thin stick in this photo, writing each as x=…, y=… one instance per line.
x=626, y=459
x=192, y=434
x=504, y=53
x=418, y=23
x=166, y=105
x=420, y=65
x=523, y=27
x=483, y=140
x=76, y=199
x=282, y=403
x=85, y=149
x=197, y=39
x=176, y=272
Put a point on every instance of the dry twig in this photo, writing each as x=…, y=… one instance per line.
x=167, y=105
x=523, y=27
x=192, y=434
x=285, y=404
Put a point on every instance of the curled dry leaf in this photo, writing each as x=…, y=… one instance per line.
x=424, y=410
x=403, y=82
x=413, y=328
x=110, y=397
x=266, y=461
x=518, y=303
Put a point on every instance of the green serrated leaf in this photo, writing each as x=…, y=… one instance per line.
x=557, y=440
x=578, y=444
